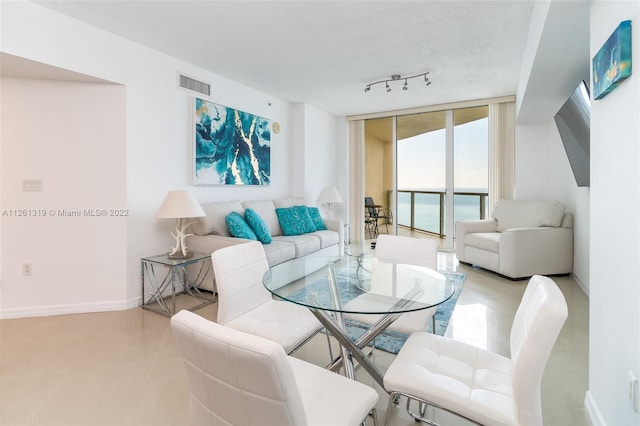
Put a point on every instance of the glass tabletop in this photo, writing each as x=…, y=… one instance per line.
x=358, y=284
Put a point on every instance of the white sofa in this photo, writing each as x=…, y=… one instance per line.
x=211, y=233
x=523, y=238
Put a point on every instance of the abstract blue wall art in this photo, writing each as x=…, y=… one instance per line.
x=612, y=64
x=231, y=147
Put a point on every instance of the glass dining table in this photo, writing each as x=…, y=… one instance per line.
x=334, y=287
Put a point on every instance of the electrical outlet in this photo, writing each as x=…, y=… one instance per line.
x=26, y=269
x=632, y=391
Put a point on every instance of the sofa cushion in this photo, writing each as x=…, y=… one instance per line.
x=238, y=227
x=267, y=211
x=318, y=223
x=489, y=241
x=527, y=214
x=295, y=220
x=327, y=238
x=279, y=251
x=214, y=222
x=258, y=226
x=304, y=244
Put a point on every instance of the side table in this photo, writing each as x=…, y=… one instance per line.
x=159, y=291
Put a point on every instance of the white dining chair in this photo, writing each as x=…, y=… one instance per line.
x=473, y=383
x=407, y=250
x=241, y=379
x=246, y=305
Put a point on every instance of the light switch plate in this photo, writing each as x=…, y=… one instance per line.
x=32, y=185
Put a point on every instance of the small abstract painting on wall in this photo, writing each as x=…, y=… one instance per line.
x=612, y=63
x=232, y=147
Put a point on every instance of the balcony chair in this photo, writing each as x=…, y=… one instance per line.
x=373, y=213
x=412, y=251
x=478, y=385
x=246, y=305
x=237, y=378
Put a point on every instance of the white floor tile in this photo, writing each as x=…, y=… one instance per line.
x=122, y=368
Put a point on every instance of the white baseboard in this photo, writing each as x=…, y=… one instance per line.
x=581, y=284
x=592, y=411
x=45, y=311
x=82, y=308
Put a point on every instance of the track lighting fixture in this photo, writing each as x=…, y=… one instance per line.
x=397, y=77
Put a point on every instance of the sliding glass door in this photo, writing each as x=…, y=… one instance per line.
x=380, y=170
x=442, y=170
x=421, y=171
x=471, y=160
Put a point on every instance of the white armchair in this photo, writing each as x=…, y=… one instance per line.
x=523, y=238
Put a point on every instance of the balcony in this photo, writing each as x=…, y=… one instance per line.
x=426, y=210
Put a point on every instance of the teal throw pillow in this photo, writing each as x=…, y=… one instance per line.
x=258, y=226
x=314, y=212
x=305, y=218
x=238, y=227
x=295, y=220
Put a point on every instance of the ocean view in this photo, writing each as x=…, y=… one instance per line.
x=427, y=208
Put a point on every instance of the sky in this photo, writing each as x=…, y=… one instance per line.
x=421, y=158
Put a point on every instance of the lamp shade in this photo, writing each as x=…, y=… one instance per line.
x=329, y=195
x=180, y=204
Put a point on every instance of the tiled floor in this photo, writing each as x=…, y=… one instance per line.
x=122, y=368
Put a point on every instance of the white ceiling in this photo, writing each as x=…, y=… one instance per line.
x=325, y=52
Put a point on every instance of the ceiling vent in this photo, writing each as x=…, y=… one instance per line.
x=195, y=85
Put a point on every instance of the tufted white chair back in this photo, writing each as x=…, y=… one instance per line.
x=414, y=251
x=238, y=271
x=236, y=378
x=539, y=318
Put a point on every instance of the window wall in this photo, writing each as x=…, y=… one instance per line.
x=436, y=166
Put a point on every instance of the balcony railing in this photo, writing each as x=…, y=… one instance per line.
x=426, y=210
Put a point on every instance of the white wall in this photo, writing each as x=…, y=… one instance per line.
x=614, y=328
x=72, y=137
x=543, y=172
x=555, y=60
x=320, y=134
x=158, y=136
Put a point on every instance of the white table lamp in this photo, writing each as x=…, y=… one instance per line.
x=329, y=196
x=180, y=205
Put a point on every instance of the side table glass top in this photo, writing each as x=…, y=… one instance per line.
x=165, y=260
x=391, y=287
